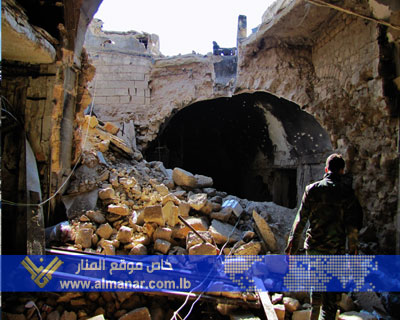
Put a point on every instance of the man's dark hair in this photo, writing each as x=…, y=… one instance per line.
x=335, y=163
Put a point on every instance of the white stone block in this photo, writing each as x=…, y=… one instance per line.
x=233, y=205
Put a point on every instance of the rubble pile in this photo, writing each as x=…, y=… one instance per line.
x=117, y=203
x=145, y=306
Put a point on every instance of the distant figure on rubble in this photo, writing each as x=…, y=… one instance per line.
x=217, y=51
x=335, y=215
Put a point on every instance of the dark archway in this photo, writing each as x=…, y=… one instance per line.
x=252, y=145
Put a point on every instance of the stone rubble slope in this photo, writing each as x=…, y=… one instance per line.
x=118, y=203
x=136, y=204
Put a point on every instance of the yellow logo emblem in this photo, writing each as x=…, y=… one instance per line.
x=41, y=275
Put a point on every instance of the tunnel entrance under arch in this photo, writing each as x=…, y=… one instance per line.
x=254, y=146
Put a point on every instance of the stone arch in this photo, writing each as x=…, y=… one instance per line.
x=255, y=146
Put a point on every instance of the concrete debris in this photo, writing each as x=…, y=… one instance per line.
x=107, y=193
x=111, y=128
x=154, y=214
x=103, y=146
x=203, y=249
x=162, y=233
x=198, y=201
x=127, y=182
x=223, y=232
x=161, y=189
x=170, y=197
x=170, y=213
x=96, y=216
x=208, y=207
x=124, y=234
x=184, y=209
x=223, y=215
x=84, y=237
x=180, y=194
x=184, y=178
x=115, y=143
x=198, y=223
x=203, y=181
x=104, y=231
x=193, y=239
x=251, y=248
x=91, y=121
x=120, y=209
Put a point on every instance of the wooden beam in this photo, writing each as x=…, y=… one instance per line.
x=265, y=300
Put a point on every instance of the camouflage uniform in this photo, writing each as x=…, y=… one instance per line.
x=335, y=215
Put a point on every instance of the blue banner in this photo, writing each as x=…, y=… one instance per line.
x=79, y=272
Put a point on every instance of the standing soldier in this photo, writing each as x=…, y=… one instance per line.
x=335, y=216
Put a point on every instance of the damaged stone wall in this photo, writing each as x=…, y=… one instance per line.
x=134, y=82
x=29, y=89
x=334, y=66
x=346, y=94
x=178, y=82
x=279, y=70
x=123, y=63
x=351, y=105
x=44, y=91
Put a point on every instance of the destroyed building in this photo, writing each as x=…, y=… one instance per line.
x=310, y=80
x=102, y=130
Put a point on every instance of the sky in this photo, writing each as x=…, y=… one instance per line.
x=183, y=26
